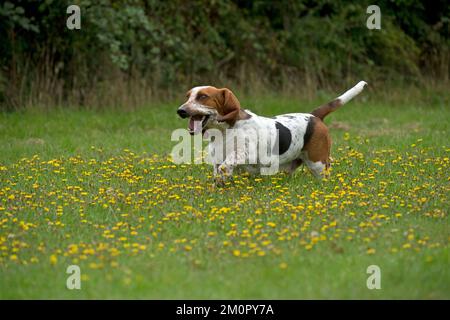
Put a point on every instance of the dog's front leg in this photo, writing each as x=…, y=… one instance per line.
x=224, y=171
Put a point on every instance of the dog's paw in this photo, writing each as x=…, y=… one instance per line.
x=224, y=171
x=219, y=181
x=223, y=175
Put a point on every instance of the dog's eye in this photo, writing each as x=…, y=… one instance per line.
x=202, y=96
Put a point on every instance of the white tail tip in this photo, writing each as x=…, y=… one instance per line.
x=353, y=92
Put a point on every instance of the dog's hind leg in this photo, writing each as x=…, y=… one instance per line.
x=316, y=153
x=294, y=165
x=318, y=168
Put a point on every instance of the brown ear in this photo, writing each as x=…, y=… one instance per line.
x=230, y=107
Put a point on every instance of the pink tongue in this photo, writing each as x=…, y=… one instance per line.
x=195, y=125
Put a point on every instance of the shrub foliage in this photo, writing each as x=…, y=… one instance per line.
x=140, y=49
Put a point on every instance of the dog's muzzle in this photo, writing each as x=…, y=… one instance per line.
x=197, y=122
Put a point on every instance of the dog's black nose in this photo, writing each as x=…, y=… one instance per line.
x=182, y=113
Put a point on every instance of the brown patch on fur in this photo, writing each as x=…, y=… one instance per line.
x=319, y=145
x=225, y=102
x=322, y=111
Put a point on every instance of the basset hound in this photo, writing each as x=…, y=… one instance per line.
x=300, y=138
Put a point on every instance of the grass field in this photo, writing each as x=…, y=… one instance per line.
x=97, y=189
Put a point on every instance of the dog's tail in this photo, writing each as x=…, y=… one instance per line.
x=322, y=111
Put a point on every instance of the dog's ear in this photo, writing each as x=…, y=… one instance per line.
x=229, y=107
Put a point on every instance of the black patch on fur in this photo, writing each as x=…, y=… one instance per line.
x=309, y=130
x=284, y=139
x=288, y=116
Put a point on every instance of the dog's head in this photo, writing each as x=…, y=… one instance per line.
x=209, y=106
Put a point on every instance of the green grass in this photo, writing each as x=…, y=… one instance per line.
x=177, y=236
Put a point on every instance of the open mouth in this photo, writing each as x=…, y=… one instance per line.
x=197, y=124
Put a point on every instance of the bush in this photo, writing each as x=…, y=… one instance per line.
x=130, y=51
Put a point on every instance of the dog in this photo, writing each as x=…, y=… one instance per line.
x=301, y=138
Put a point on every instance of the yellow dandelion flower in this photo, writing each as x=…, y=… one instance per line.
x=53, y=259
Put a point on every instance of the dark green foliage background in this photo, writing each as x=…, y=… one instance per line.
x=158, y=45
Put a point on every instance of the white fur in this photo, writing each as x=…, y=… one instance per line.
x=353, y=92
x=295, y=122
x=317, y=168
